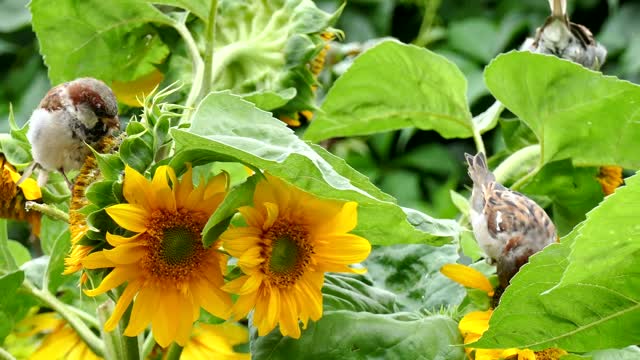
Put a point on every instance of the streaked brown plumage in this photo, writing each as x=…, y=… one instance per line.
x=508, y=226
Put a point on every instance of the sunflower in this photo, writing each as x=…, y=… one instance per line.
x=475, y=323
x=13, y=197
x=291, y=239
x=216, y=342
x=164, y=262
x=61, y=341
x=78, y=227
x=610, y=177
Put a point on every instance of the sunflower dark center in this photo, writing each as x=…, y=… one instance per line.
x=179, y=244
x=174, y=244
x=287, y=252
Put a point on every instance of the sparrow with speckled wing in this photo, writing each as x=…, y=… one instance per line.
x=508, y=226
x=71, y=116
x=567, y=40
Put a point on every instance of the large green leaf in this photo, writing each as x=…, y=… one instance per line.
x=107, y=40
x=225, y=127
x=356, y=293
x=413, y=273
x=572, y=191
x=575, y=112
x=583, y=294
x=362, y=335
x=393, y=86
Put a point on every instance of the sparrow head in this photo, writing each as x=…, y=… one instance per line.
x=93, y=104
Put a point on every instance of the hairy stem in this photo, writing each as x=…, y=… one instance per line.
x=512, y=165
x=94, y=343
x=49, y=210
x=207, y=79
x=477, y=138
x=430, y=10
x=198, y=68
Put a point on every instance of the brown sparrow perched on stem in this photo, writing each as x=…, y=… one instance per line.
x=560, y=37
x=71, y=116
x=508, y=226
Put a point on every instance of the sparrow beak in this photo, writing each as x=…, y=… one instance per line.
x=111, y=123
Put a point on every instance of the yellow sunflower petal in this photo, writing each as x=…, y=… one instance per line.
x=218, y=184
x=185, y=320
x=476, y=322
x=250, y=258
x=165, y=198
x=122, y=304
x=467, y=276
x=97, y=260
x=130, y=217
x=252, y=217
x=238, y=240
x=272, y=215
x=312, y=296
x=125, y=254
x=30, y=189
x=137, y=189
x=212, y=299
x=145, y=305
x=343, y=222
x=244, y=304
x=184, y=188
x=163, y=324
x=115, y=278
x=116, y=240
x=342, y=249
x=288, y=317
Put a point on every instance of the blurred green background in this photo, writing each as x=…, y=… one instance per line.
x=417, y=167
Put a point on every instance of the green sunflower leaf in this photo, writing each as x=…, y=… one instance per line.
x=361, y=335
x=240, y=195
x=412, y=272
x=413, y=87
x=243, y=133
x=582, y=294
x=575, y=112
x=356, y=293
x=106, y=40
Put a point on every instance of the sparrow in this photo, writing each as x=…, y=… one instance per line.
x=508, y=226
x=71, y=116
x=567, y=40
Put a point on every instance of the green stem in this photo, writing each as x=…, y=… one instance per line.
x=118, y=345
x=90, y=320
x=512, y=165
x=477, y=138
x=430, y=9
x=94, y=343
x=207, y=79
x=148, y=345
x=198, y=69
x=174, y=352
x=49, y=210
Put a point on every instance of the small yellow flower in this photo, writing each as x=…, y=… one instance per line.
x=61, y=342
x=169, y=272
x=610, y=177
x=468, y=277
x=216, y=342
x=291, y=239
x=13, y=197
x=475, y=323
